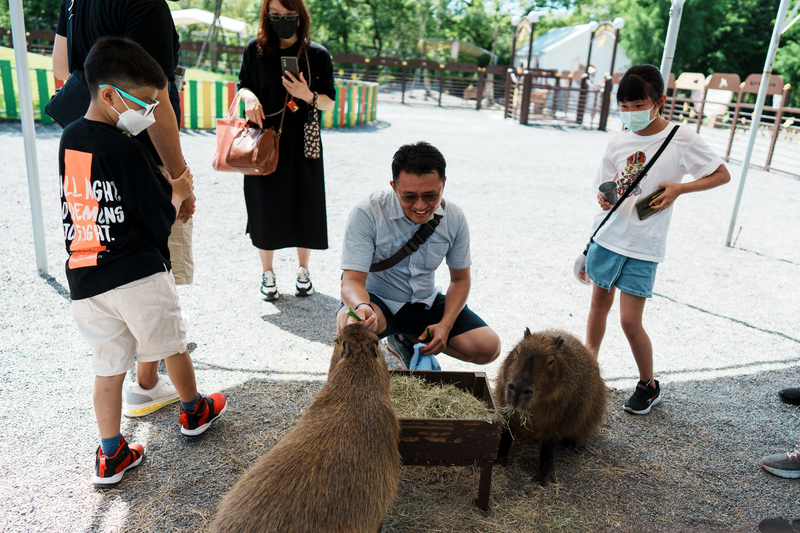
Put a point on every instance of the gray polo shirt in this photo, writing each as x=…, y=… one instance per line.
x=377, y=228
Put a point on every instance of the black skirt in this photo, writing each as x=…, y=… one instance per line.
x=286, y=209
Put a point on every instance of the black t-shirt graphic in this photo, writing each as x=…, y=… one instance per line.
x=116, y=209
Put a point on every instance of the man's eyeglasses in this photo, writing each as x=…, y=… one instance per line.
x=276, y=17
x=428, y=197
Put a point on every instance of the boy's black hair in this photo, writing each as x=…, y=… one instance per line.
x=641, y=82
x=122, y=63
x=418, y=158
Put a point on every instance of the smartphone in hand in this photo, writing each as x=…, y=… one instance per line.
x=180, y=75
x=289, y=64
x=643, y=209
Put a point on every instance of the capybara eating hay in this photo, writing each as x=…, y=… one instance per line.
x=337, y=469
x=550, y=384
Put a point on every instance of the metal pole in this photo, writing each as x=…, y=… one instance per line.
x=614, y=53
x=756, y=119
x=584, y=83
x=530, y=44
x=507, y=111
x=605, y=106
x=28, y=131
x=675, y=13
x=514, y=46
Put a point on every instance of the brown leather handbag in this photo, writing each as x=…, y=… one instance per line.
x=254, y=151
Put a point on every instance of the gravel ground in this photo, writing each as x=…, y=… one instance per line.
x=723, y=323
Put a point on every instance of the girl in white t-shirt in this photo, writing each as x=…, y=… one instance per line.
x=627, y=250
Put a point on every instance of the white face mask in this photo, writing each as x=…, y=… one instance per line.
x=132, y=121
x=636, y=120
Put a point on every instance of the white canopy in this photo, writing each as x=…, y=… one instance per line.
x=183, y=17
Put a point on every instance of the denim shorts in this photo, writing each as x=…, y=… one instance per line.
x=633, y=276
x=412, y=319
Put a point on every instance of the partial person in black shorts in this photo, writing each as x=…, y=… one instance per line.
x=412, y=319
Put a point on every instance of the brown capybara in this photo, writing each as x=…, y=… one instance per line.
x=550, y=384
x=337, y=469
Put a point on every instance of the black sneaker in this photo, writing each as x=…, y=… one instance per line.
x=269, y=287
x=791, y=395
x=779, y=525
x=207, y=411
x=401, y=348
x=644, y=398
x=109, y=470
x=303, y=286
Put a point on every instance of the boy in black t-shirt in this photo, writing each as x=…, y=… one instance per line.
x=117, y=210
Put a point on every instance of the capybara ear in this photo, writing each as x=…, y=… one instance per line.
x=558, y=340
x=527, y=332
x=345, y=349
x=376, y=348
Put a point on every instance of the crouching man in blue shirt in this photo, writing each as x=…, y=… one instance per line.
x=395, y=296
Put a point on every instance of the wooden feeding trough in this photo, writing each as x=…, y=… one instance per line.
x=455, y=442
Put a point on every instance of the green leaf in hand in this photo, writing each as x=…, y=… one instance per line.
x=353, y=314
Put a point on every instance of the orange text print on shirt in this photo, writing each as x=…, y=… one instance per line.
x=82, y=205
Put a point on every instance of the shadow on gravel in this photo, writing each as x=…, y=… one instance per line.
x=59, y=288
x=374, y=126
x=43, y=131
x=312, y=318
x=181, y=479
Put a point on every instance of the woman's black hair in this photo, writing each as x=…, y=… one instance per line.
x=641, y=82
x=418, y=158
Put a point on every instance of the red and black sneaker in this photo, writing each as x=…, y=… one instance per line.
x=109, y=470
x=207, y=410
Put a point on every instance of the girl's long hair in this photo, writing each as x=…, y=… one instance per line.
x=268, y=41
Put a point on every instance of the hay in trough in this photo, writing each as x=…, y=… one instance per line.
x=413, y=397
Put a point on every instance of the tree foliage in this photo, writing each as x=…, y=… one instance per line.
x=37, y=14
x=715, y=36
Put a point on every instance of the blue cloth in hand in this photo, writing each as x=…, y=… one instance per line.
x=423, y=362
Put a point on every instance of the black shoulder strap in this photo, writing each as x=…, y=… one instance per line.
x=633, y=185
x=413, y=244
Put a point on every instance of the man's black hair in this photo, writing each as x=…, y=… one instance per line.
x=418, y=158
x=641, y=82
x=122, y=63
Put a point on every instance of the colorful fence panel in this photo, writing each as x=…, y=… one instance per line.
x=202, y=102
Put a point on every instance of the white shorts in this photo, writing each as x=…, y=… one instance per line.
x=141, y=319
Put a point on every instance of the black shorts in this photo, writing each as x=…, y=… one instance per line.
x=412, y=319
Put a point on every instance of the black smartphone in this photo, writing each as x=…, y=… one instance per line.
x=180, y=75
x=289, y=64
x=643, y=209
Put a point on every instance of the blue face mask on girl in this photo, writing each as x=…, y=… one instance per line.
x=636, y=120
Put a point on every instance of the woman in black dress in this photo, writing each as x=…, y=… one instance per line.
x=286, y=209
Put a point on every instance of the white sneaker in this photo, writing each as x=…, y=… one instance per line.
x=303, y=285
x=139, y=402
x=269, y=287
